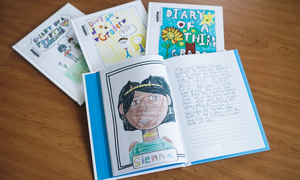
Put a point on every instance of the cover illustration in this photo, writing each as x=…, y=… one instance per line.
x=187, y=31
x=118, y=35
x=57, y=44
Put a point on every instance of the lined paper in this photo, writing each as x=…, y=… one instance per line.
x=210, y=104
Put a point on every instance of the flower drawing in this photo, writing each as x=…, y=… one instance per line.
x=207, y=19
x=172, y=35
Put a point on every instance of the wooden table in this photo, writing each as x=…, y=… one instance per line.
x=44, y=134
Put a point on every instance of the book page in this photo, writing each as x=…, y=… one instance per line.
x=142, y=129
x=216, y=116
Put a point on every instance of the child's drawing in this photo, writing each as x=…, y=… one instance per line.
x=67, y=52
x=138, y=42
x=57, y=44
x=76, y=44
x=187, y=31
x=144, y=106
x=172, y=35
x=123, y=42
x=112, y=33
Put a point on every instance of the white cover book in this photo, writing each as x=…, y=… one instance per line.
x=112, y=35
x=53, y=49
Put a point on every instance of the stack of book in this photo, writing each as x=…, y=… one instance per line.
x=160, y=90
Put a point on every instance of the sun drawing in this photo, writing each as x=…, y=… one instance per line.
x=172, y=34
x=207, y=19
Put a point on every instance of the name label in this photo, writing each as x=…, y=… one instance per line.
x=154, y=158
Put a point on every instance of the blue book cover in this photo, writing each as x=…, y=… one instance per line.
x=213, y=106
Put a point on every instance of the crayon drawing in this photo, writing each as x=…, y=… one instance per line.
x=145, y=106
x=58, y=45
x=118, y=36
x=187, y=31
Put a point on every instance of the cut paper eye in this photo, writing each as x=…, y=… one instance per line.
x=105, y=27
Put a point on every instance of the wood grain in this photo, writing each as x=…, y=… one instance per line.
x=44, y=135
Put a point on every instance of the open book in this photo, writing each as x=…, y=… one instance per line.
x=112, y=35
x=53, y=49
x=148, y=114
x=179, y=29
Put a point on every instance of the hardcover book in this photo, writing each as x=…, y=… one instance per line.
x=180, y=29
x=112, y=35
x=54, y=50
x=148, y=114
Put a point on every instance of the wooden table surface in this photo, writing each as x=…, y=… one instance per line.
x=44, y=134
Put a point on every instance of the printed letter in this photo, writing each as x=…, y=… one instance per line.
x=193, y=14
x=208, y=40
x=187, y=36
x=184, y=15
x=147, y=159
x=214, y=41
x=189, y=25
x=104, y=39
x=91, y=23
x=161, y=156
x=182, y=52
x=137, y=162
x=154, y=157
x=202, y=39
x=173, y=52
x=194, y=37
x=107, y=34
x=169, y=13
x=201, y=14
x=111, y=31
x=204, y=27
x=175, y=14
x=169, y=155
x=38, y=44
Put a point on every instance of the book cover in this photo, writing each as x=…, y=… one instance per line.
x=112, y=35
x=54, y=50
x=181, y=29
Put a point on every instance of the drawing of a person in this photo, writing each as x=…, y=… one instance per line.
x=144, y=106
x=76, y=44
x=63, y=48
x=123, y=42
x=138, y=42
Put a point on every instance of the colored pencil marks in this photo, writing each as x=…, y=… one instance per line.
x=57, y=44
x=118, y=36
x=145, y=106
x=187, y=31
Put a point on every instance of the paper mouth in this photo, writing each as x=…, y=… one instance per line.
x=143, y=121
